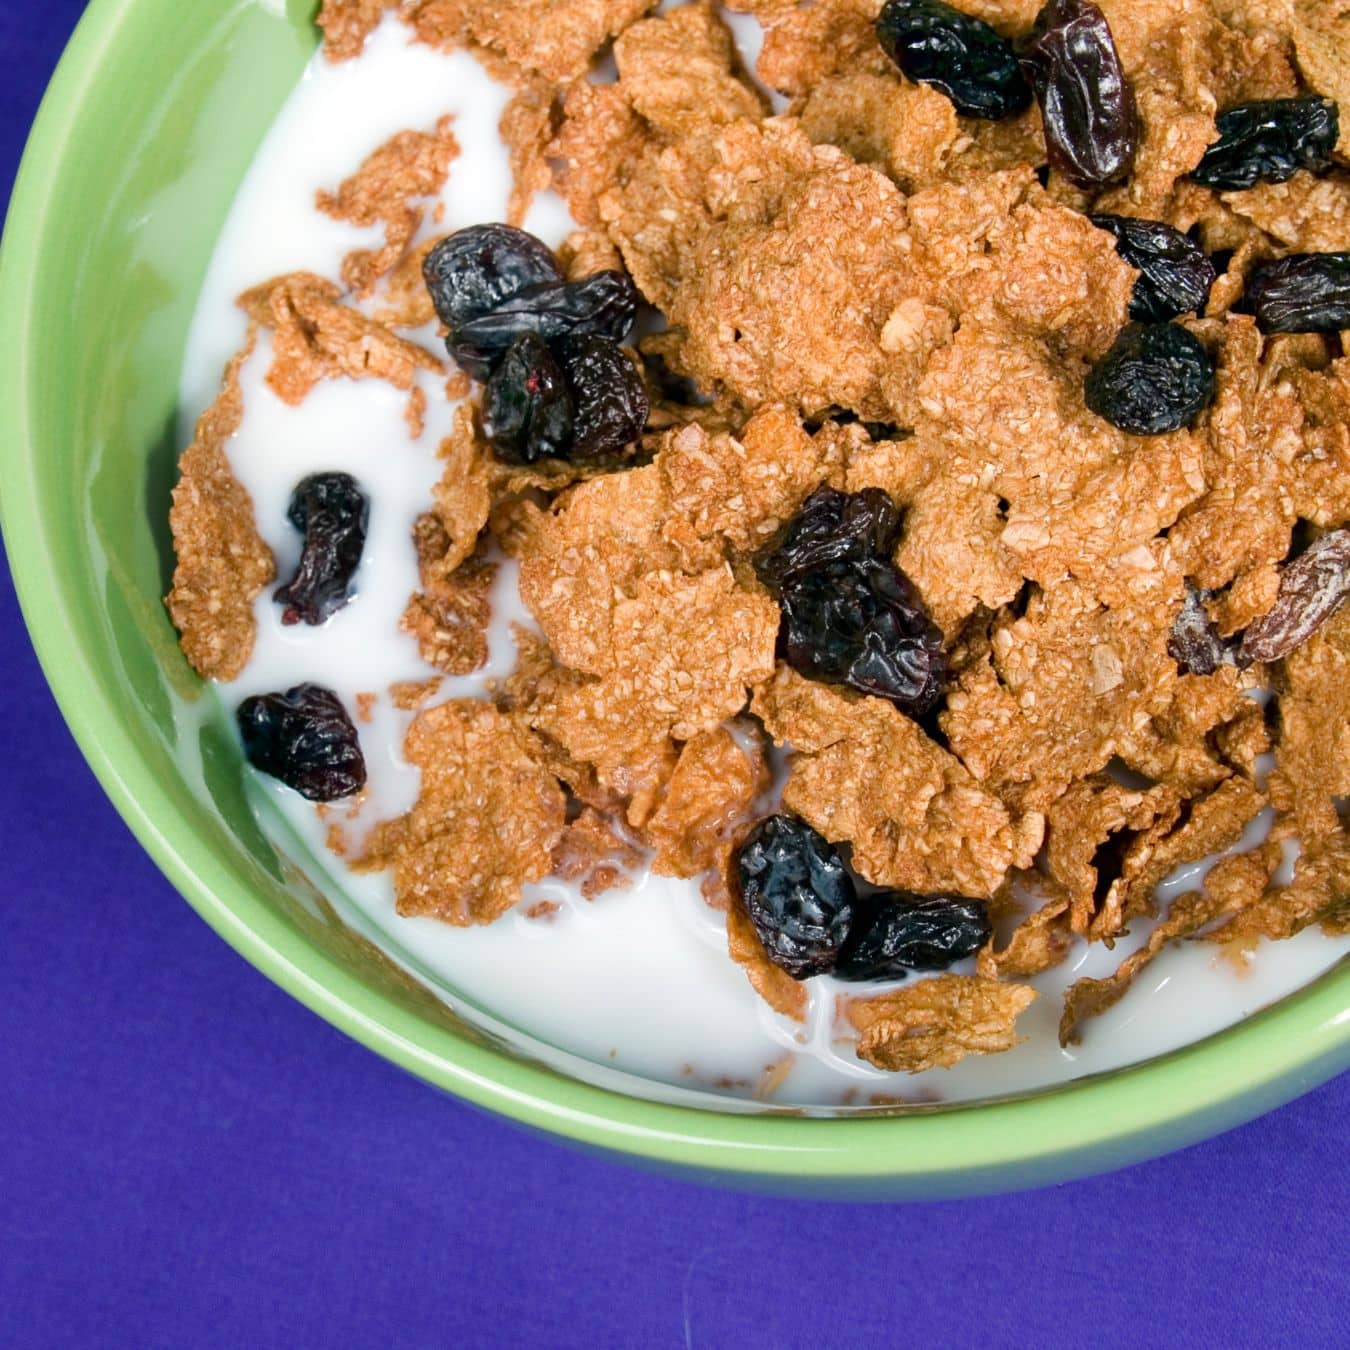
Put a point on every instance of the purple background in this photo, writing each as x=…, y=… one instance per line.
x=189, y=1158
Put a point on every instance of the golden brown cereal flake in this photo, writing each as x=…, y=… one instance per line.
x=589, y=552
x=1307, y=213
x=1088, y=829
x=555, y=38
x=710, y=794
x=1321, y=486
x=405, y=300
x=485, y=823
x=594, y=852
x=1059, y=691
x=806, y=42
x=1207, y=825
x=1312, y=759
x=462, y=497
x=600, y=142
x=997, y=245
x=317, y=338
x=909, y=130
x=683, y=651
x=222, y=562
x=952, y=549
x=864, y=773
x=347, y=24
x=1228, y=882
x=790, y=307
x=1042, y=940
x=1251, y=596
x=409, y=166
x=935, y=1023
x=586, y=252
x=1318, y=893
x=410, y=695
x=679, y=71
x=449, y=616
x=745, y=488
x=1246, y=514
x=527, y=126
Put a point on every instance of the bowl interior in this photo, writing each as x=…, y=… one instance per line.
x=146, y=133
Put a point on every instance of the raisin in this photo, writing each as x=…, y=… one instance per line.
x=1194, y=643
x=304, y=738
x=608, y=393
x=832, y=527
x=1156, y=378
x=331, y=511
x=895, y=932
x=959, y=55
x=850, y=615
x=527, y=405
x=1312, y=588
x=474, y=270
x=1269, y=141
x=798, y=894
x=603, y=305
x=1087, y=105
x=1176, y=276
x=1303, y=293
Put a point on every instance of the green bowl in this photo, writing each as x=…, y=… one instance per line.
x=146, y=131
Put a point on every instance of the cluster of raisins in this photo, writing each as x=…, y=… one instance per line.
x=1157, y=378
x=304, y=737
x=850, y=615
x=810, y=919
x=557, y=383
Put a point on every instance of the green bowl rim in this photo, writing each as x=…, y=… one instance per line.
x=1052, y=1135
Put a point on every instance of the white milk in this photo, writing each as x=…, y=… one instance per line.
x=637, y=982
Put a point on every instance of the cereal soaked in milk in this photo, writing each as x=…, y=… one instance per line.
x=632, y=988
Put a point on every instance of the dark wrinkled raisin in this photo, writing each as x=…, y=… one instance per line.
x=832, y=527
x=959, y=55
x=1156, y=378
x=1194, y=643
x=1087, y=104
x=894, y=933
x=1312, y=588
x=305, y=738
x=798, y=894
x=476, y=269
x=331, y=511
x=603, y=305
x=1269, y=141
x=1303, y=293
x=1176, y=276
x=608, y=394
x=850, y=615
x=527, y=405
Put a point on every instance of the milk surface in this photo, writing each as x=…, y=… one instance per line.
x=634, y=990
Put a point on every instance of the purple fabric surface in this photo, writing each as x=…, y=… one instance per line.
x=189, y=1158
